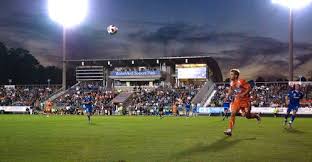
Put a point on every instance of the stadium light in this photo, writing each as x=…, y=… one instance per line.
x=67, y=13
x=49, y=81
x=292, y=5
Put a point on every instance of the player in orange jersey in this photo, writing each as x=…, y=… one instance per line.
x=48, y=107
x=240, y=90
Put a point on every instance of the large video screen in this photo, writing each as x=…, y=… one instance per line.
x=191, y=71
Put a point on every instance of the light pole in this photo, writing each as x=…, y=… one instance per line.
x=292, y=5
x=49, y=81
x=67, y=13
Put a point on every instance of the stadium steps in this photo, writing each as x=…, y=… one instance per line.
x=123, y=98
x=204, y=93
x=209, y=98
x=61, y=92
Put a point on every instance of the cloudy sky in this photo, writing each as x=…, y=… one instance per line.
x=248, y=34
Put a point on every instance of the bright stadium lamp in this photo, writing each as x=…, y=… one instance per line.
x=67, y=13
x=292, y=5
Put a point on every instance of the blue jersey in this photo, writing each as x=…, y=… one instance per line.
x=88, y=103
x=294, y=98
x=195, y=109
x=188, y=107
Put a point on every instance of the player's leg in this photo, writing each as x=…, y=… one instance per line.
x=292, y=118
x=235, y=109
x=287, y=115
x=247, y=110
x=89, y=116
x=161, y=114
x=49, y=112
x=225, y=114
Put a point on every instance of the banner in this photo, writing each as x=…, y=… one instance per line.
x=14, y=108
x=283, y=110
x=9, y=86
x=262, y=110
x=210, y=110
x=291, y=83
x=135, y=73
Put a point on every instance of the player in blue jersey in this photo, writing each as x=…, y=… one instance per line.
x=293, y=101
x=161, y=110
x=88, y=104
x=188, y=108
x=195, y=109
x=226, y=111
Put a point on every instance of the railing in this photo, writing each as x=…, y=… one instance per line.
x=61, y=92
x=208, y=96
x=203, y=93
x=35, y=86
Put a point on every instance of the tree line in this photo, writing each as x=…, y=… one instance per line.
x=19, y=66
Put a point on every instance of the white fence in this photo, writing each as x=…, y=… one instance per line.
x=262, y=110
x=15, y=109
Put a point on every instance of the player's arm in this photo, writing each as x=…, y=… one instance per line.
x=287, y=99
x=301, y=97
x=84, y=101
x=247, y=91
x=229, y=93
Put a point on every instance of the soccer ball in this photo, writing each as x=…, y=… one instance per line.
x=112, y=29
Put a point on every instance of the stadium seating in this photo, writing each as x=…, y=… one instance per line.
x=26, y=95
x=264, y=94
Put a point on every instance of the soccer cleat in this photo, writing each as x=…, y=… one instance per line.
x=258, y=118
x=290, y=124
x=285, y=122
x=228, y=132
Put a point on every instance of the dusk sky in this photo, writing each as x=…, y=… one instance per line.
x=251, y=35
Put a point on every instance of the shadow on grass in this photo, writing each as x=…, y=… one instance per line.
x=216, y=146
x=293, y=131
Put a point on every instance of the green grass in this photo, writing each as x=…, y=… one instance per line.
x=70, y=138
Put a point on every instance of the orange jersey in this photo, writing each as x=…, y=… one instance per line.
x=49, y=105
x=240, y=86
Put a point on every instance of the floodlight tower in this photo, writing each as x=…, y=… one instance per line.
x=292, y=5
x=67, y=13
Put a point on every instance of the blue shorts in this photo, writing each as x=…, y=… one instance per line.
x=226, y=106
x=89, y=110
x=292, y=108
x=188, y=110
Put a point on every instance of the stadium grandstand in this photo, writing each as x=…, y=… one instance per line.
x=141, y=86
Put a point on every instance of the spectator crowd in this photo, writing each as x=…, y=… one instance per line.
x=265, y=95
x=25, y=95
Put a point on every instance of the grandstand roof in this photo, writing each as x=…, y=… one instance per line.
x=169, y=61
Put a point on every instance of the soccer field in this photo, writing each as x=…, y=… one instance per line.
x=71, y=138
